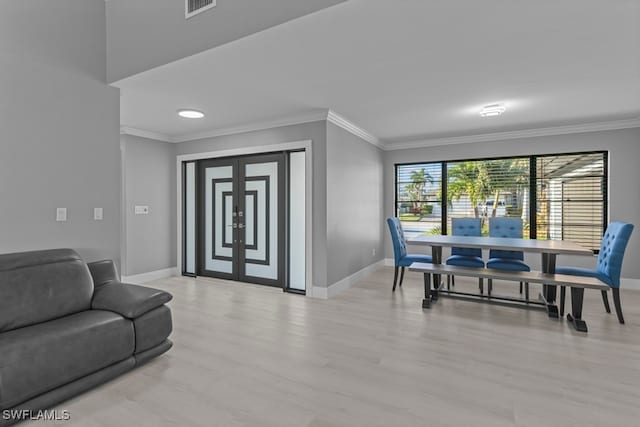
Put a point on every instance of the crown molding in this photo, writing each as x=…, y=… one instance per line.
x=389, y=145
x=338, y=120
x=267, y=124
x=328, y=115
x=127, y=130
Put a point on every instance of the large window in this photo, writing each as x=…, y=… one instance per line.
x=487, y=189
x=571, y=198
x=558, y=197
x=419, y=197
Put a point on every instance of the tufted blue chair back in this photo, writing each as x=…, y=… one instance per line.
x=612, y=250
x=466, y=227
x=397, y=237
x=505, y=227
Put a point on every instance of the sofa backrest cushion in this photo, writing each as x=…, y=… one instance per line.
x=42, y=285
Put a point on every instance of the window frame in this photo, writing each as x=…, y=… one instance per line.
x=533, y=179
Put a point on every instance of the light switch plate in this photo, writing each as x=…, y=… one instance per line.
x=97, y=214
x=141, y=210
x=61, y=214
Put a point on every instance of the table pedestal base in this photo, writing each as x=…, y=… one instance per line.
x=575, y=317
x=579, y=324
x=552, y=309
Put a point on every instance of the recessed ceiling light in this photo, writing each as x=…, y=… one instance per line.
x=191, y=114
x=492, y=110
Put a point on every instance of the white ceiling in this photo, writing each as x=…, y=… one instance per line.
x=410, y=69
x=144, y=34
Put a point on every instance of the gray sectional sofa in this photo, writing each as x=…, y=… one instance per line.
x=66, y=327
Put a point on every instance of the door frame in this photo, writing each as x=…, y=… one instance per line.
x=305, y=145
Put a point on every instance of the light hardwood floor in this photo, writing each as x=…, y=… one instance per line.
x=247, y=355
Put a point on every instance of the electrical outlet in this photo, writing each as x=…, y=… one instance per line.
x=97, y=214
x=61, y=214
x=141, y=210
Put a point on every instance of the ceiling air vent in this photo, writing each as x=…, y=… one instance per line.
x=194, y=7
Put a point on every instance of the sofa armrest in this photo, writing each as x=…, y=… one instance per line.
x=130, y=301
x=103, y=272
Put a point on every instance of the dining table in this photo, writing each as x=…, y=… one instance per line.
x=548, y=249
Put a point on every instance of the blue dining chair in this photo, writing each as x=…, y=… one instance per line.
x=609, y=265
x=465, y=257
x=401, y=258
x=507, y=260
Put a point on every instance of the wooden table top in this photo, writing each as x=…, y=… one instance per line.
x=509, y=244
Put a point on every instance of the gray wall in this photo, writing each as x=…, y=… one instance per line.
x=316, y=132
x=347, y=193
x=65, y=34
x=624, y=176
x=355, y=216
x=149, y=179
x=60, y=129
x=167, y=36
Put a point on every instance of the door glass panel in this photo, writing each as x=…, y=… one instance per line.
x=261, y=185
x=256, y=222
x=227, y=226
x=251, y=208
x=190, y=218
x=218, y=224
x=297, y=257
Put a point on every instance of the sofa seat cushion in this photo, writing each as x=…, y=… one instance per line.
x=130, y=301
x=39, y=358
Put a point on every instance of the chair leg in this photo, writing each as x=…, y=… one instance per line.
x=521, y=287
x=489, y=286
x=401, y=276
x=448, y=281
x=395, y=278
x=605, y=300
x=453, y=281
x=616, y=303
x=526, y=291
x=481, y=286
x=563, y=295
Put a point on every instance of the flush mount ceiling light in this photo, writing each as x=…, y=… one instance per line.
x=492, y=110
x=191, y=114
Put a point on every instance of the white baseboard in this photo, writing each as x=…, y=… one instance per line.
x=319, y=292
x=139, y=279
x=630, y=284
x=346, y=283
x=389, y=262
